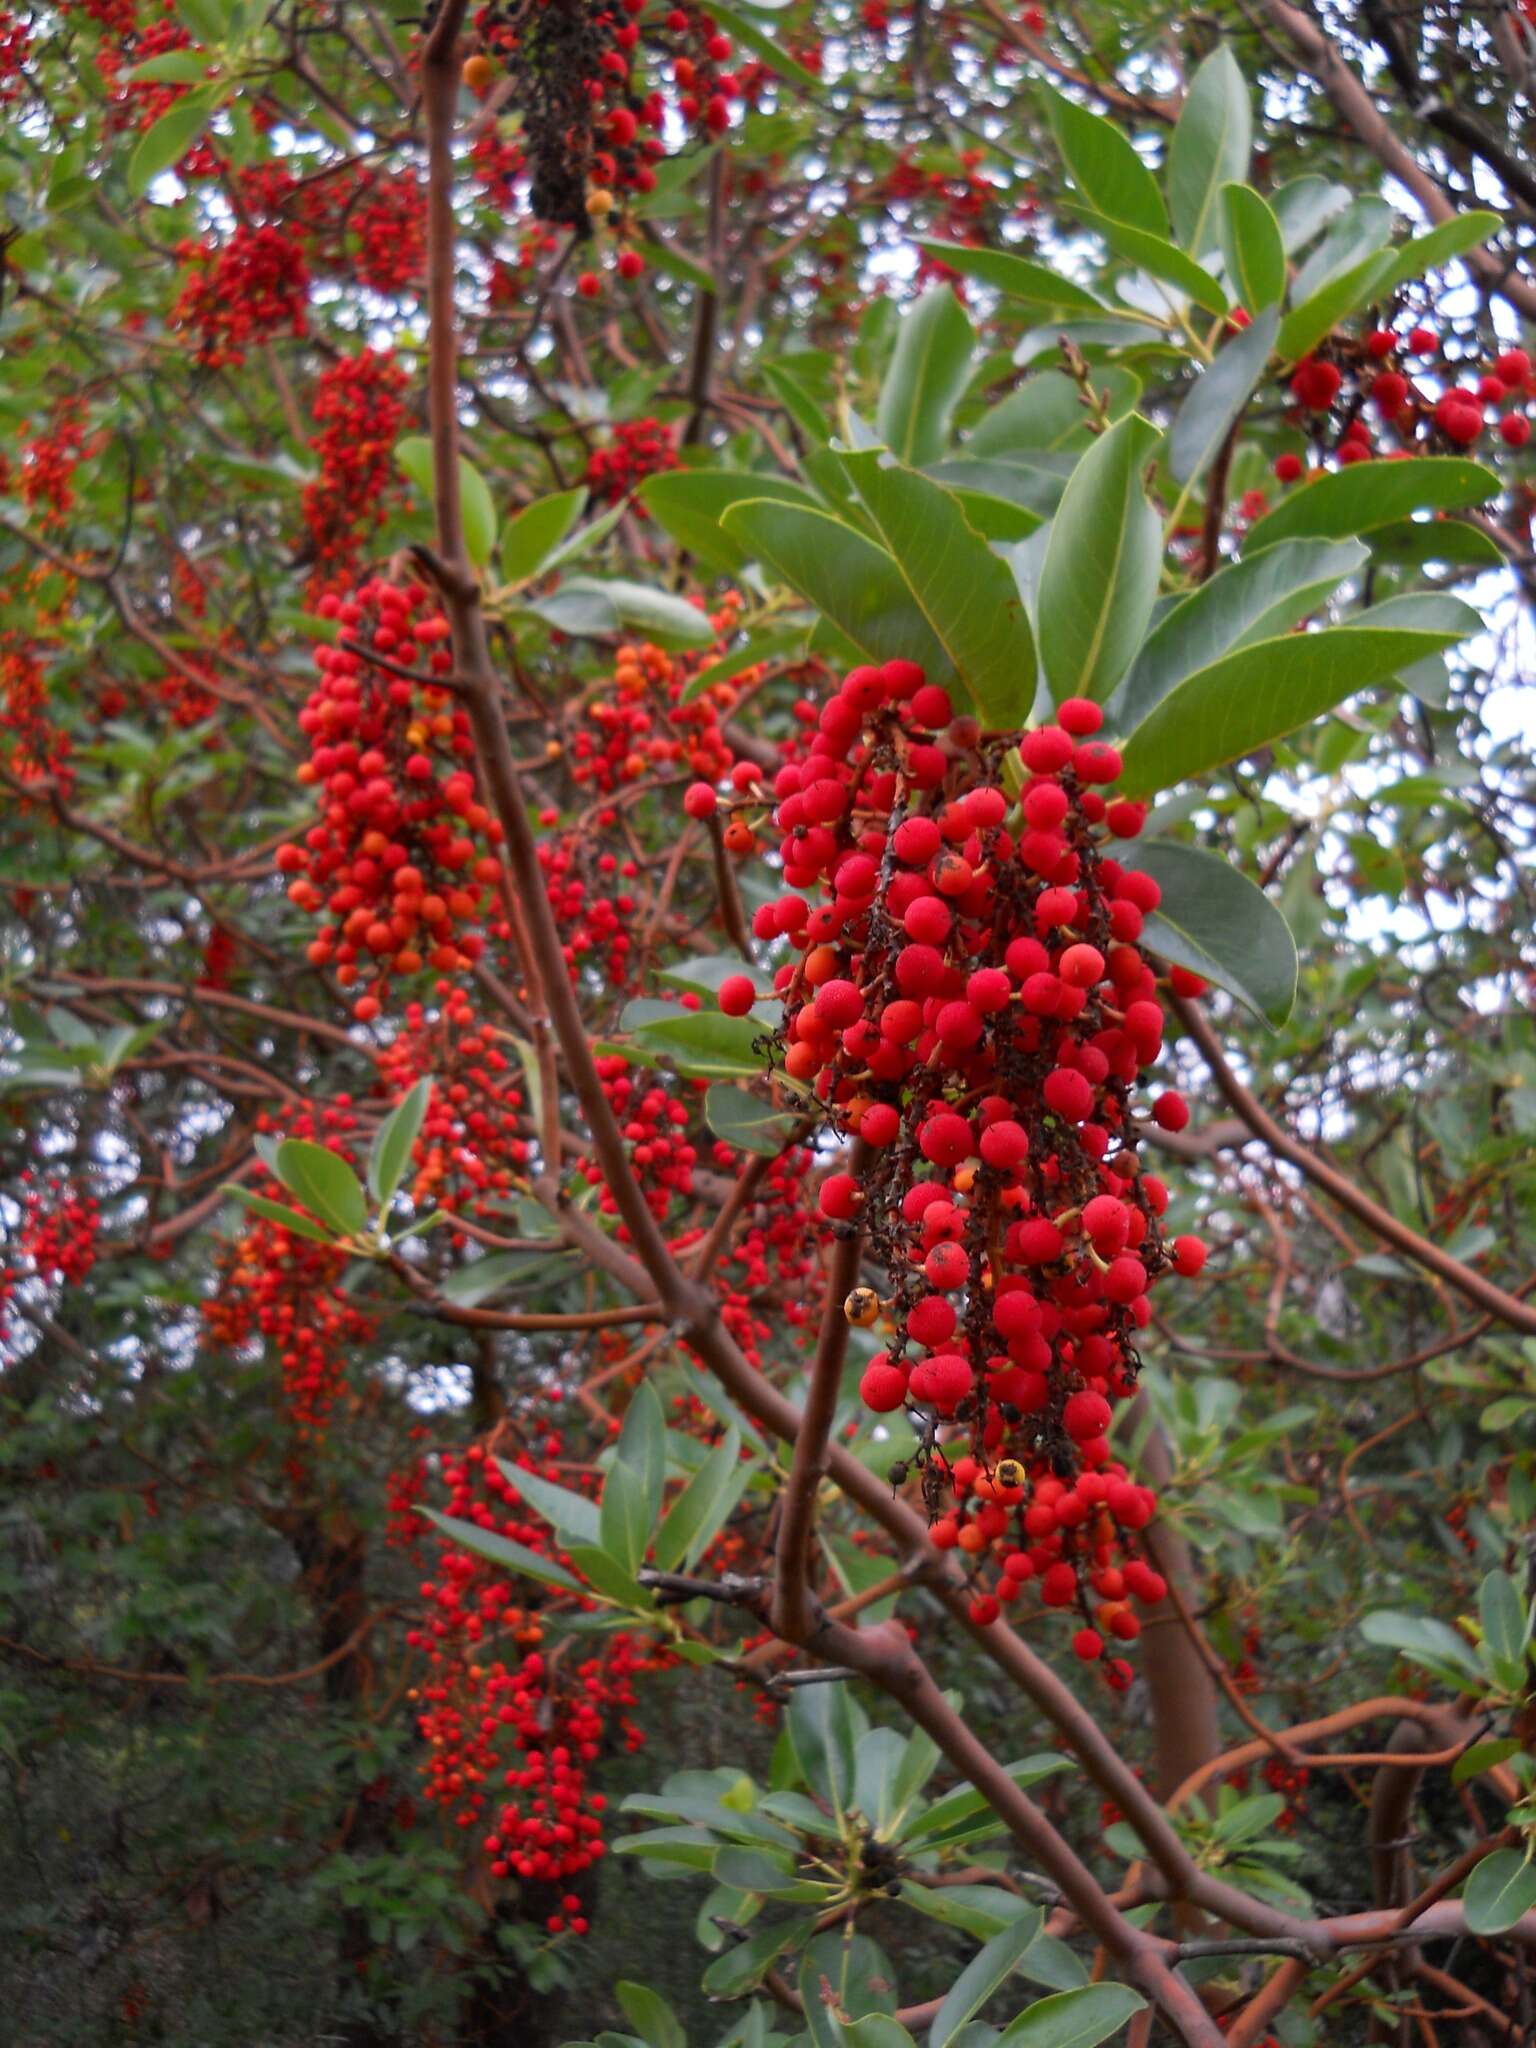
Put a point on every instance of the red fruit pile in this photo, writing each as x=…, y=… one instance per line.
x=968, y=997
x=401, y=854
x=1356, y=379
x=506, y=1728
x=359, y=409
x=636, y=449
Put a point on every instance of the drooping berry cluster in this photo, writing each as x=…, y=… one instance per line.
x=968, y=998
x=243, y=292
x=358, y=408
x=1336, y=388
x=284, y=1290
x=401, y=854
x=511, y=1734
x=635, y=450
x=56, y=1239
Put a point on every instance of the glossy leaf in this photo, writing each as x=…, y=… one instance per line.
x=1500, y=1891
x=1252, y=247
x=414, y=455
x=1101, y=566
x=690, y=504
x=632, y=1485
x=1423, y=1638
x=744, y=1120
x=1368, y=495
x=1216, y=401
x=1074, y=2019
x=1016, y=277
x=1209, y=149
x=390, y=1153
x=1216, y=922
x=1105, y=167
x=929, y=371
x=963, y=590
x=1506, y=1630
x=844, y=574
x=649, y=2013
x=572, y=1514
x=324, y=1183
x=1304, y=207
x=534, y=534
x=658, y=615
x=168, y=141
x=1159, y=258
x=982, y=1975
x=516, y=1558
x=1268, y=689
x=703, y=1507
x=1252, y=599
x=275, y=1212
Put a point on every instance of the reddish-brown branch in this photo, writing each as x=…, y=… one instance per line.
x=1507, y=1308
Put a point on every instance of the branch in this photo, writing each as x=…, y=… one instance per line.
x=1508, y=1308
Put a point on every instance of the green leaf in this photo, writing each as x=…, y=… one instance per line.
x=965, y=1801
x=845, y=575
x=414, y=456
x=1305, y=206
x=390, y=1152
x=742, y=1968
x=1422, y=1638
x=1253, y=599
x=171, y=67
x=579, y=607
x=1506, y=1631
x=326, y=1185
x=1484, y=1756
x=1209, y=149
x=1440, y=245
x=1306, y=324
x=1101, y=567
x=1215, y=922
x=274, y=1212
x=1074, y=2019
x=966, y=593
x=981, y=1910
x=703, y=1043
x=824, y=1730
x=467, y=1286
x=690, y=504
x=1369, y=495
x=516, y=1558
x=1262, y=692
x=746, y=1121
x=769, y=49
x=1032, y=479
x=1047, y=411
x=1252, y=247
x=633, y=1484
x=1216, y=400
x=1500, y=1891
x=703, y=1507
x=669, y=621
x=534, y=534
x=982, y=1975
x=769, y=643
x=572, y=1515
x=1016, y=277
x=1104, y=165
x=1159, y=258
x=168, y=141
x=874, y=2030
x=646, y=2010
x=929, y=371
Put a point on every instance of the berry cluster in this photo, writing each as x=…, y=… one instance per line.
x=285, y=1290
x=358, y=408
x=401, y=854
x=968, y=998
x=1336, y=389
x=506, y=1727
x=243, y=292
x=56, y=1239
x=635, y=450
